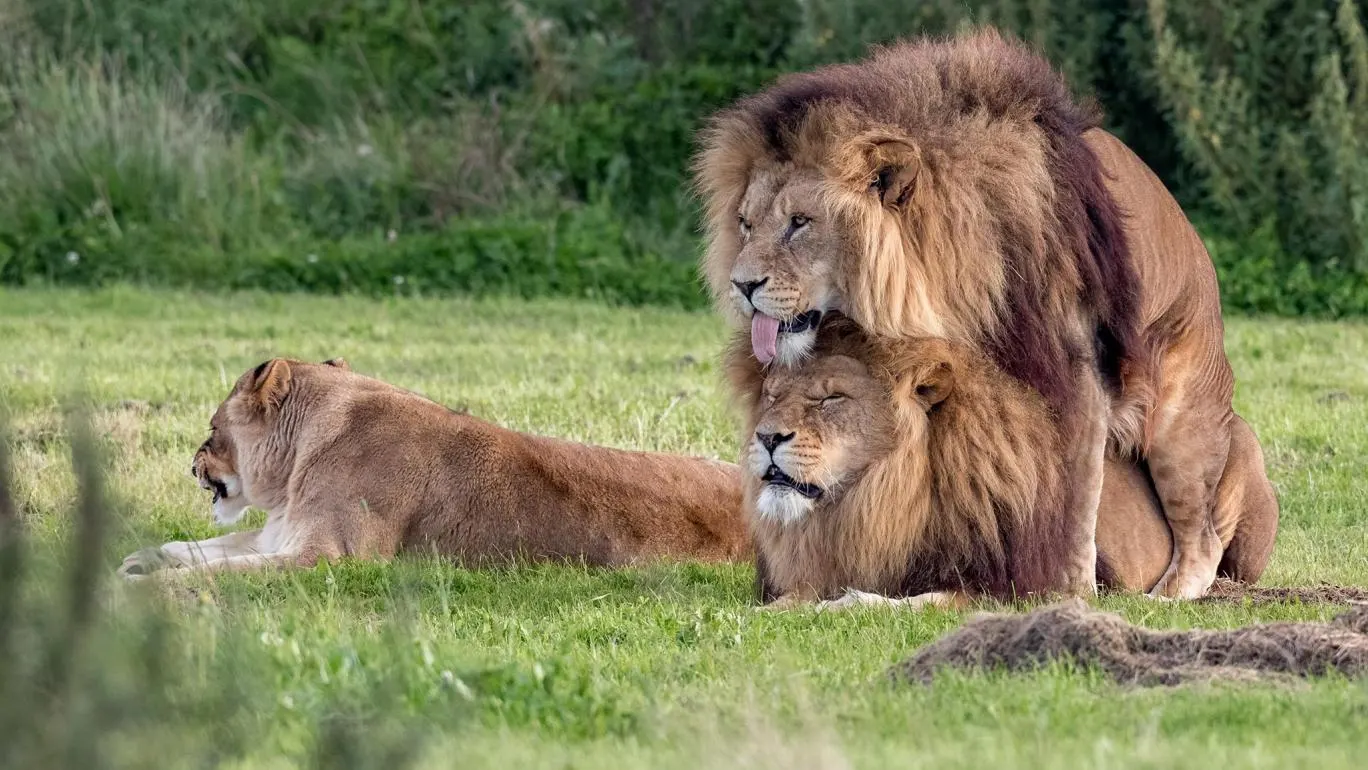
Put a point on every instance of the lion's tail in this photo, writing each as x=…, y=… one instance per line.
x=1132, y=417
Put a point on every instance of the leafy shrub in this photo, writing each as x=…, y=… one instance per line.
x=215, y=141
x=1270, y=104
x=581, y=251
x=381, y=175
x=632, y=147
x=1257, y=276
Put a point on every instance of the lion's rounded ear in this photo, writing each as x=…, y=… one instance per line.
x=923, y=373
x=935, y=384
x=890, y=165
x=270, y=384
x=339, y=362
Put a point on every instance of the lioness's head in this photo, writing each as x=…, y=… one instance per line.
x=229, y=462
x=821, y=424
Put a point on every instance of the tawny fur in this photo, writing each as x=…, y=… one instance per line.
x=953, y=188
x=1134, y=543
x=346, y=465
x=930, y=485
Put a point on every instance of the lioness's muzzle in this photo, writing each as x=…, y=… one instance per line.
x=220, y=491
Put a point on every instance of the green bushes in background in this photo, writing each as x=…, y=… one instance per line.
x=541, y=146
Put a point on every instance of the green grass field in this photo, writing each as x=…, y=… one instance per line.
x=367, y=665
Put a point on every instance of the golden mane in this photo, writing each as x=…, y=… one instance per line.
x=992, y=225
x=968, y=496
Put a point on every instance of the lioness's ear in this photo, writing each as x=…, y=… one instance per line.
x=270, y=384
x=339, y=362
x=892, y=166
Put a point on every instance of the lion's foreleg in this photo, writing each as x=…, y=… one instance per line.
x=250, y=562
x=788, y=600
x=1085, y=444
x=221, y=547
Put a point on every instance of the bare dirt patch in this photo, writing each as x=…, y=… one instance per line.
x=1131, y=655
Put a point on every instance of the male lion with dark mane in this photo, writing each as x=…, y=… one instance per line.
x=914, y=471
x=347, y=465
x=954, y=189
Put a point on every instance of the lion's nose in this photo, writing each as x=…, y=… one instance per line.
x=771, y=441
x=747, y=288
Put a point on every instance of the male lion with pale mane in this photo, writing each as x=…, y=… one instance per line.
x=954, y=189
x=346, y=465
x=915, y=472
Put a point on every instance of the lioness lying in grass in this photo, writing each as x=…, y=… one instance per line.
x=346, y=465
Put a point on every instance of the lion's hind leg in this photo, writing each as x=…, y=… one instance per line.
x=1246, y=508
x=1189, y=447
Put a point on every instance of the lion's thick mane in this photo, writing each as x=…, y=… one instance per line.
x=996, y=228
x=967, y=498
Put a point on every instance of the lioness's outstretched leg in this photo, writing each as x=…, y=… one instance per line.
x=292, y=556
x=254, y=561
x=232, y=544
x=1189, y=445
x=184, y=554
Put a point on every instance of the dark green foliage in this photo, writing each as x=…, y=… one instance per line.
x=580, y=252
x=219, y=142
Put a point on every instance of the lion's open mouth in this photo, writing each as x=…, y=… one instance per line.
x=776, y=477
x=801, y=322
x=219, y=488
x=765, y=331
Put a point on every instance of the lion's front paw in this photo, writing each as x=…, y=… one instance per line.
x=783, y=603
x=1174, y=585
x=140, y=564
x=853, y=598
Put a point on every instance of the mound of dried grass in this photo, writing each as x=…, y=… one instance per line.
x=1074, y=631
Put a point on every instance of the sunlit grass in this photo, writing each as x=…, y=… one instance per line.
x=665, y=666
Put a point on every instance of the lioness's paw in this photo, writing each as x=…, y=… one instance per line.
x=140, y=564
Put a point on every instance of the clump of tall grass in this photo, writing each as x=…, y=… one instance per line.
x=378, y=172
x=95, y=155
x=93, y=676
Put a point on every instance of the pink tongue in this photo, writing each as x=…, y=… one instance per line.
x=764, y=337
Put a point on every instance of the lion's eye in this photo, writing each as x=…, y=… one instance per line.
x=833, y=398
x=798, y=221
x=745, y=226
